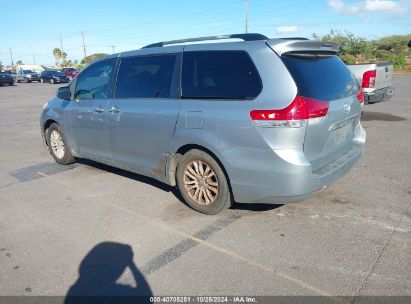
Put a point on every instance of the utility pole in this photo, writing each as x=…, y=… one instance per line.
x=246, y=15
x=113, y=48
x=11, y=56
x=61, y=44
x=84, y=45
x=34, y=60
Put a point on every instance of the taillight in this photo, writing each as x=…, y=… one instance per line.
x=294, y=115
x=360, y=96
x=368, y=79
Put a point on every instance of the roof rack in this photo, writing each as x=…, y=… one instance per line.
x=245, y=37
x=294, y=38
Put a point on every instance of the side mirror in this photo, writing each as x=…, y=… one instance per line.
x=64, y=93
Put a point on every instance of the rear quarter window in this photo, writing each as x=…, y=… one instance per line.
x=219, y=75
x=323, y=77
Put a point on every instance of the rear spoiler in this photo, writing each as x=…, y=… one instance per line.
x=282, y=46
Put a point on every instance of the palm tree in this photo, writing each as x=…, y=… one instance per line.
x=57, y=54
x=64, y=57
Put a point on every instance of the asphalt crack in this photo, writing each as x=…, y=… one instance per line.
x=374, y=266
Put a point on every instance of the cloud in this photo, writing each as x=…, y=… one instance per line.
x=287, y=29
x=384, y=6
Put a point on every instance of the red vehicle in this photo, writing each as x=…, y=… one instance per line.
x=71, y=72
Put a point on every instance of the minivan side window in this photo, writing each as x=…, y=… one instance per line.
x=219, y=75
x=145, y=76
x=94, y=82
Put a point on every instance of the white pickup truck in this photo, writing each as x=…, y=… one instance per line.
x=375, y=79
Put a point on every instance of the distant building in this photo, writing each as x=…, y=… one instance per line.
x=32, y=67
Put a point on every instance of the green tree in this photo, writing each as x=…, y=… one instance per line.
x=93, y=57
x=19, y=62
x=1, y=65
x=350, y=45
x=397, y=43
x=64, y=57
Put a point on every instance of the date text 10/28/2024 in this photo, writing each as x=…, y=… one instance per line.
x=203, y=299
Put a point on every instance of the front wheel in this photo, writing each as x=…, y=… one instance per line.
x=202, y=183
x=58, y=145
x=51, y=80
x=41, y=80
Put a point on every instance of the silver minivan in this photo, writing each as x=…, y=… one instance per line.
x=253, y=121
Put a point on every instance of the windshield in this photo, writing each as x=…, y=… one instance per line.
x=323, y=77
x=27, y=71
x=57, y=73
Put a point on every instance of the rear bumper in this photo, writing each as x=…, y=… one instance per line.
x=291, y=178
x=379, y=95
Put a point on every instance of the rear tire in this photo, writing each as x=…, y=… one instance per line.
x=11, y=83
x=202, y=183
x=51, y=80
x=41, y=80
x=58, y=146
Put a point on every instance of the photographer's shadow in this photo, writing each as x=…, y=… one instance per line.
x=99, y=271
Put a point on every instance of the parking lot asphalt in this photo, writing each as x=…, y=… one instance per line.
x=350, y=240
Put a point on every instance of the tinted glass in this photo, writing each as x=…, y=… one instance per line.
x=145, y=77
x=219, y=75
x=94, y=82
x=321, y=77
x=57, y=73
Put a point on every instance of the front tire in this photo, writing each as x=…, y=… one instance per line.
x=58, y=146
x=51, y=80
x=41, y=80
x=202, y=183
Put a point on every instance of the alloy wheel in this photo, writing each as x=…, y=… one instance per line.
x=57, y=144
x=200, y=182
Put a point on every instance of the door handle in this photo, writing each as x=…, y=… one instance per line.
x=114, y=109
x=99, y=109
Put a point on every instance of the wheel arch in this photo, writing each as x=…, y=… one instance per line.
x=183, y=149
x=47, y=125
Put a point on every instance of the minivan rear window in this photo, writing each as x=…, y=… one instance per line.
x=219, y=75
x=323, y=77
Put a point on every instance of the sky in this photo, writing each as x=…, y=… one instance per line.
x=32, y=28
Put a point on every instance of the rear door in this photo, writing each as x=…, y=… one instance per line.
x=143, y=115
x=325, y=77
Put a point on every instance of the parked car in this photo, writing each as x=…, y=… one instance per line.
x=6, y=78
x=53, y=77
x=258, y=121
x=27, y=76
x=375, y=79
x=70, y=72
x=11, y=72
